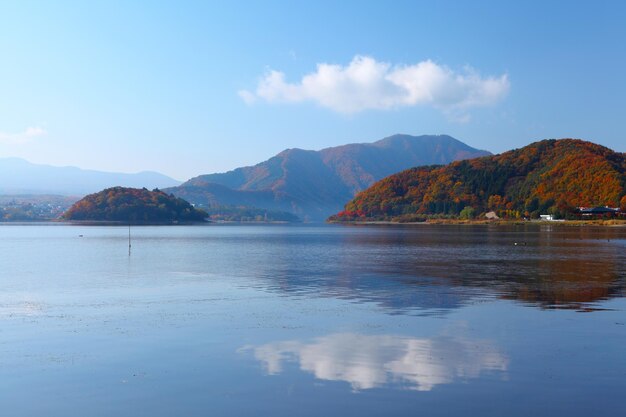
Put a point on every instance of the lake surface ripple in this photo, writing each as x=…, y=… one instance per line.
x=305, y=320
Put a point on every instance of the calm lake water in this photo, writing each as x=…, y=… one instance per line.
x=312, y=320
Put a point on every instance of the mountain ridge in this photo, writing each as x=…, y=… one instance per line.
x=19, y=176
x=314, y=184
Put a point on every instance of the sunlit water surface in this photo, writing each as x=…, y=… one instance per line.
x=312, y=320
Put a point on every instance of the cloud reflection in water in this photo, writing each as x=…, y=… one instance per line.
x=369, y=361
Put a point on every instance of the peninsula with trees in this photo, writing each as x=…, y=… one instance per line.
x=561, y=178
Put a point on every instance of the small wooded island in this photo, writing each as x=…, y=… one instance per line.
x=134, y=206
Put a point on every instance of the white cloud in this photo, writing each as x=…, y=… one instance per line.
x=34, y=131
x=247, y=96
x=369, y=361
x=22, y=137
x=369, y=84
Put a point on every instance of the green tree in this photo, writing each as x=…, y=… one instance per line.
x=468, y=212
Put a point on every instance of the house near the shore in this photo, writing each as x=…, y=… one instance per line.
x=491, y=215
x=547, y=217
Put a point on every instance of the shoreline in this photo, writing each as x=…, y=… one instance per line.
x=122, y=223
x=450, y=222
x=568, y=223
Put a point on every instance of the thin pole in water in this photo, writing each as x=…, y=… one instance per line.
x=128, y=239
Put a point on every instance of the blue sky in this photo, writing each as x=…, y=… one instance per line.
x=130, y=86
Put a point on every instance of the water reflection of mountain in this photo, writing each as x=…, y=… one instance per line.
x=432, y=268
x=370, y=361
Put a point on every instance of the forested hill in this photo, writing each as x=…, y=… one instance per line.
x=550, y=176
x=134, y=205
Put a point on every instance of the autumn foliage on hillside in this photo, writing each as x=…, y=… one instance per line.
x=550, y=176
x=133, y=205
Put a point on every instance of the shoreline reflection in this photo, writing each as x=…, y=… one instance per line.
x=428, y=270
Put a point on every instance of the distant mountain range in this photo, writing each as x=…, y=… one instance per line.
x=18, y=176
x=315, y=184
x=550, y=176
